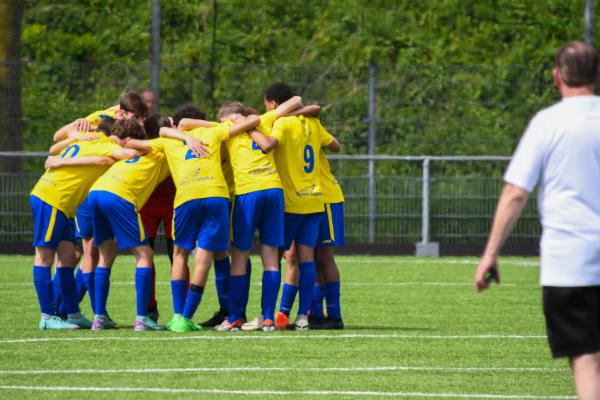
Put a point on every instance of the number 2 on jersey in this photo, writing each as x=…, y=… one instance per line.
x=73, y=147
x=309, y=159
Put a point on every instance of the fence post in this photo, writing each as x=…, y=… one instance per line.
x=155, y=69
x=588, y=17
x=426, y=248
x=372, y=150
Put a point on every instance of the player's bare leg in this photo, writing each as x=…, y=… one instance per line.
x=586, y=372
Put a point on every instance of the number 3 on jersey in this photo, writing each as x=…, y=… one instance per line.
x=309, y=159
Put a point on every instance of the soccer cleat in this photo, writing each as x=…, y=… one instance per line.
x=317, y=323
x=335, y=323
x=147, y=325
x=281, y=320
x=153, y=314
x=181, y=325
x=301, y=323
x=174, y=318
x=82, y=322
x=56, y=323
x=103, y=323
x=217, y=319
x=269, y=326
x=229, y=326
x=254, y=325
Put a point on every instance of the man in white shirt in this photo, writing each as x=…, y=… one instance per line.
x=561, y=150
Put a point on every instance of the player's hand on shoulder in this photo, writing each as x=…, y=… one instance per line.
x=82, y=125
x=197, y=146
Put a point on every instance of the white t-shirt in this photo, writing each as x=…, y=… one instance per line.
x=561, y=150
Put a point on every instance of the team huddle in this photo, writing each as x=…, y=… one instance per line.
x=114, y=176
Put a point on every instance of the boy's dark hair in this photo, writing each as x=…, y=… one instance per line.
x=187, y=110
x=132, y=102
x=106, y=125
x=279, y=93
x=578, y=64
x=230, y=107
x=154, y=122
x=250, y=111
x=127, y=128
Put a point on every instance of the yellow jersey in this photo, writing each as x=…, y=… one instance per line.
x=332, y=191
x=65, y=188
x=97, y=117
x=298, y=161
x=134, y=180
x=253, y=169
x=195, y=177
x=227, y=170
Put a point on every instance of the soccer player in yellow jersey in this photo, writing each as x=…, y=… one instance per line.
x=331, y=235
x=201, y=219
x=298, y=141
x=114, y=201
x=54, y=200
x=258, y=205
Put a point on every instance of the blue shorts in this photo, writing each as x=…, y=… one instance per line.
x=331, y=229
x=113, y=217
x=303, y=228
x=263, y=210
x=203, y=223
x=83, y=221
x=50, y=225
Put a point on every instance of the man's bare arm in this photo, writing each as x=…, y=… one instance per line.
x=289, y=105
x=197, y=146
x=266, y=143
x=245, y=125
x=57, y=162
x=311, y=110
x=138, y=144
x=510, y=205
x=185, y=124
x=334, y=146
x=71, y=130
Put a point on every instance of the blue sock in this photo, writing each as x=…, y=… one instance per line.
x=143, y=289
x=192, y=300
x=270, y=289
x=42, y=280
x=88, y=281
x=57, y=303
x=236, y=297
x=178, y=292
x=316, y=307
x=332, y=296
x=308, y=277
x=246, y=290
x=222, y=268
x=101, y=289
x=80, y=285
x=68, y=289
x=288, y=296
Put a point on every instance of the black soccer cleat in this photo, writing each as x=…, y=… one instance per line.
x=217, y=319
x=317, y=323
x=153, y=314
x=335, y=323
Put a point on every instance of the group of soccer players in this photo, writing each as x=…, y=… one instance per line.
x=114, y=176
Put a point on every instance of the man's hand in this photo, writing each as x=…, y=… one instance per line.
x=53, y=162
x=487, y=265
x=82, y=125
x=197, y=146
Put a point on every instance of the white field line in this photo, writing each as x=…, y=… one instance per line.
x=277, y=336
x=283, y=369
x=284, y=392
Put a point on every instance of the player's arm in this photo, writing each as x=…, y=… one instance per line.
x=71, y=131
x=60, y=146
x=57, y=162
x=125, y=154
x=138, y=144
x=311, y=110
x=334, y=146
x=510, y=206
x=185, y=124
x=288, y=106
x=245, y=125
x=266, y=143
x=197, y=146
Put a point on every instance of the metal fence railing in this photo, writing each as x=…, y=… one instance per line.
x=390, y=200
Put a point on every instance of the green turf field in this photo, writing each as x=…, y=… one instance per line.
x=415, y=328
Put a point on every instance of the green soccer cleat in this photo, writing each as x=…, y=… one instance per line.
x=175, y=318
x=184, y=325
x=147, y=325
x=80, y=321
x=56, y=323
